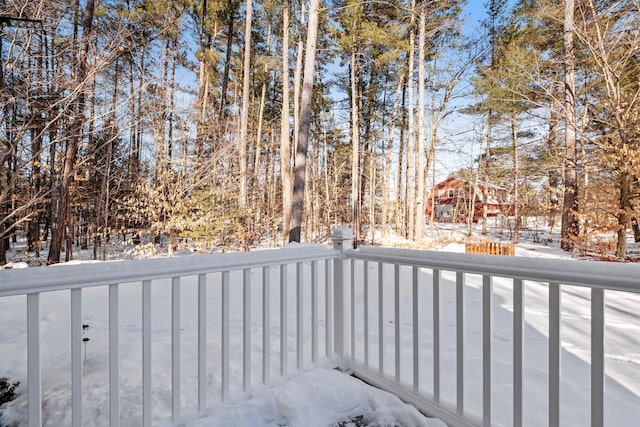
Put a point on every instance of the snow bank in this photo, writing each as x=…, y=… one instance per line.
x=316, y=399
x=15, y=265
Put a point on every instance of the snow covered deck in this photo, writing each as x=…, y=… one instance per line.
x=468, y=339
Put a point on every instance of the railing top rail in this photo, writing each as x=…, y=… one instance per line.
x=604, y=275
x=33, y=280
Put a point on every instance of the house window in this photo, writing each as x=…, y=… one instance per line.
x=452, y=193
x=440, y=194
x=444, y=211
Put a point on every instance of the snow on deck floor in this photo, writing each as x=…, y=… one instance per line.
x=318, y=398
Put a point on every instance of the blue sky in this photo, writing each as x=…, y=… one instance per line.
x=474, y=12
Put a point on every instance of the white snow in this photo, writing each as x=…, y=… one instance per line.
x=16, y=265
x=318, y=398
x=321, y=397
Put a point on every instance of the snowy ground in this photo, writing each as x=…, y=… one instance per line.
x=325, y=398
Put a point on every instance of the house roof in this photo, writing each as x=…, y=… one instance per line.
x=475, y=184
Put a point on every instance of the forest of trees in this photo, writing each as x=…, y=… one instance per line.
x=236, y=122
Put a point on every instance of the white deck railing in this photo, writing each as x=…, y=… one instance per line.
x=308, y=261
x=374, y=312
x=395, y=268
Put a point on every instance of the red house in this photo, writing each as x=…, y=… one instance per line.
x=454, y=198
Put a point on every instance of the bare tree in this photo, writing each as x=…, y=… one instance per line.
x=411, y=138
x=420, y=149
x=355, y=145
x=244, y=123
x=570, y=226
x=285, y=140
x=610, y=35
x=305, y=122
x=59, y=227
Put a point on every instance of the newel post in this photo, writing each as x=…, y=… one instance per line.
x=342, y=241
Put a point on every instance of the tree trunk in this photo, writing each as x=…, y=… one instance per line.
x=420, y=154
x=74, y=137
x=33, y=227
x=3, y=245
x=471, y=206
x=355, y=148
x=161, y=116
x=570, y=227
x=172, y=104
x=372, y=189
x=624, y=217
x=133, y=170
x=516, y=178
x=486, y=167
x=139, y=123
x=636, y=229
x=227, y=63
x=4, y=167
x=401, y=181
x=305, y=122
x=103, y=202
x=411, y=142
x=258, y=185
x=51, y=206
x=386, y=170
x=313, y=204
x=297, y=79
x=308, y=200
x=203, y=81
x=554, y=200
x=432, y=219
x=285, y=140
x=244, y=125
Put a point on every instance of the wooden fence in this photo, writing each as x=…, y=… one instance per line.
x=490, y=248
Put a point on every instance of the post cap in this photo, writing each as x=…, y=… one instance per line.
x=342, y=234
